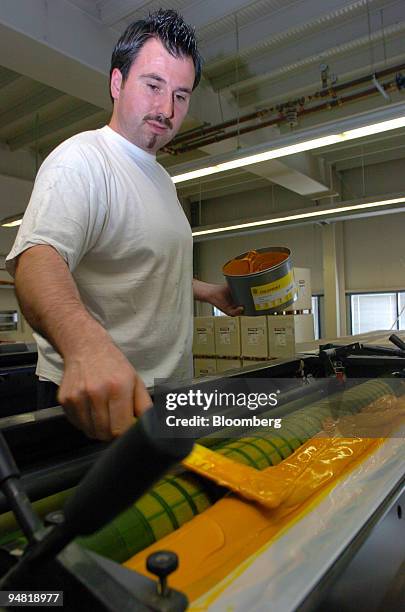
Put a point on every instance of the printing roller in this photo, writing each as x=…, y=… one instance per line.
x=177, y=498
x=130, y=467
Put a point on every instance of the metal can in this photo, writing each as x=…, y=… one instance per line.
x=262, y=281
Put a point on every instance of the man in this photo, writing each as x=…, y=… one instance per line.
x=103, y=258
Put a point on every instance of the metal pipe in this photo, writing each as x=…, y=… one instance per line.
x=277, y=120
x=259, y=114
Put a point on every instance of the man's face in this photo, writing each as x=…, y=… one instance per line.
x=149, y=107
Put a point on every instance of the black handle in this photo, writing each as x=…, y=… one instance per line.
x=8, y=468
x=131, y=465
x=397, y=341
x=126, y=470
x=15, y=494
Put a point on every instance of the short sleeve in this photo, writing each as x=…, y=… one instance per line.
x=66, y=211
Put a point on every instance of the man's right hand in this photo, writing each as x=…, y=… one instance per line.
x=101, y=392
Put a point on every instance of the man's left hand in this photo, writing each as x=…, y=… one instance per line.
x=218, y=295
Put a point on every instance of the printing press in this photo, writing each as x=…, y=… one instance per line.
x=142, y=532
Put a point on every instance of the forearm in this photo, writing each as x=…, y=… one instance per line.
x=217, y=295
x=51, y=302
x=202, y=291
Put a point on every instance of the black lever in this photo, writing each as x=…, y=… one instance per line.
x=126, y=470
x=397, y=341
x=16, y=496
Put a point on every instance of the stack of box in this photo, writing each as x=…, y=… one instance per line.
x=204, y=366
x=204, y=351
x=204, y=336
x=281, y=333
x=302, y=277
x=226, y=343
x=255, y=343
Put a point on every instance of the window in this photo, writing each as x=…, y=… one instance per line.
x=401, y=308
x=316, y=313
x=217, y=313
x=378, y=310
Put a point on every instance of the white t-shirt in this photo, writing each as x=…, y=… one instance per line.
x=111, y=211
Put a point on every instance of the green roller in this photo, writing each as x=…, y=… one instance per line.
x=177, y=498
x=8, y=525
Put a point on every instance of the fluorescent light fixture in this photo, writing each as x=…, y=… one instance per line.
x=316, y=214
x=306, y=145
x=12, y=221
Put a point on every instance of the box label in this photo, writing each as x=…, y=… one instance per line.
x=255, y=335
x=280, y=337
x=202, y=338
x=225, y=336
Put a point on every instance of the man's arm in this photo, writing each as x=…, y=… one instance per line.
x=100, y=390
x=217, y=295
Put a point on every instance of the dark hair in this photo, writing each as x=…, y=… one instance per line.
x=169, y=27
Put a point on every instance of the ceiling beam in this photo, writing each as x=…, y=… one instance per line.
x=205, y=12
x=300, y=56
x=335, y=152
x=15, y=194
x=59, y=45
x=114, y=11
x=18, y=164
x=53, y=126
x=278, y=27
x=28, y=106
x=305, y=181
x=7, y=77
x=299, y=75
x=92, y=122
x=384, y=156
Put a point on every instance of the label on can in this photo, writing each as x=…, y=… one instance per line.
x=274, y=294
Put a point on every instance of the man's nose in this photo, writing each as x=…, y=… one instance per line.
x=166, y=105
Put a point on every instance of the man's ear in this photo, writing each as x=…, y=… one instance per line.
x=115, y=84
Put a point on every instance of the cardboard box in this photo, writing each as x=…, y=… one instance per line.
x=223, y=365
x=254, y=337
x=204, y=367
x=284, y=331
x=227, y=336
x=281, y=333
x=304, y=328
x=302, y=278
x=248, y=363
x=204, y=336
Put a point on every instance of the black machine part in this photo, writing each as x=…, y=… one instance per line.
x=130, y=466
x=332, y=354
x=18, y=500
x=397, y=341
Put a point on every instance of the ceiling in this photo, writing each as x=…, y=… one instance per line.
x=272, y=60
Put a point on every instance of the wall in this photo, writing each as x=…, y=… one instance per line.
x=253, y=203
x=373, y=247
x=377, y=178
x=374, y=251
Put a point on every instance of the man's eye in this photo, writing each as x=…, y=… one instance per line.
x=153, y=87
x=180, y=98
